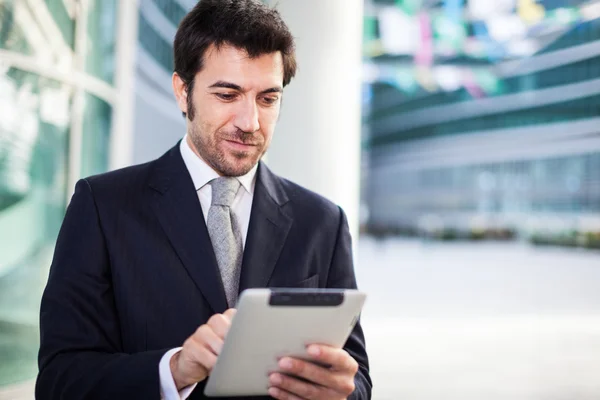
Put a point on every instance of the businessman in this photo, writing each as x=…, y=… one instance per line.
x=150, y=259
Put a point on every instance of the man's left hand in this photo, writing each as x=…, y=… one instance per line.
x=333, y=383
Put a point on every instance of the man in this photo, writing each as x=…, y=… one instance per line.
x=153, y=257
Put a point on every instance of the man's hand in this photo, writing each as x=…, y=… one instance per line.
x=333, y=383
x=196, y=360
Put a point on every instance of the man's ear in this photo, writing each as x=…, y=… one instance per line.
x=180, y=91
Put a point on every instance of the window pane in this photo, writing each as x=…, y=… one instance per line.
x=33, y=159
x=100, y=57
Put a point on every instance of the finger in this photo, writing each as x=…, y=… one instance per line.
x=206, y=358
x=205, y=336
x=339, y=359
x=199, y=355
x=303, y=389
x=220, y=324
x=281, y=394
x=230, y=313
x=311, y=372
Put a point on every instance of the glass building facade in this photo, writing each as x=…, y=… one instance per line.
x=498, y=134
x=41, y=106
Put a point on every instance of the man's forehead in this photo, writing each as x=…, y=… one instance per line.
x=227, y=53
x=234, y=65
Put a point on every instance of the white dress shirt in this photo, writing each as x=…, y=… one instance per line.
x=202, y=174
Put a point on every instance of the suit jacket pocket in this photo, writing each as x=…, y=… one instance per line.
x=312, y=282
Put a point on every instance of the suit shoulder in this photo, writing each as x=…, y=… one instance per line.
x=310, y=202
x=119, y=180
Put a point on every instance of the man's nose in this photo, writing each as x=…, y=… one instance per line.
x=247, y=117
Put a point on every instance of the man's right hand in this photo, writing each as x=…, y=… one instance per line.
x=196, y=360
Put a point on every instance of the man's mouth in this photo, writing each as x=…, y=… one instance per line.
x=238, y=145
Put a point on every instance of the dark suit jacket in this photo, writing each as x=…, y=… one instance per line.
x=134, y=275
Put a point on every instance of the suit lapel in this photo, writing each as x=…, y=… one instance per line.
x=178, y=209
x=267, y=230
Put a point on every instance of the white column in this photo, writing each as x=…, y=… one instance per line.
x=121, y=135
x=317, y=141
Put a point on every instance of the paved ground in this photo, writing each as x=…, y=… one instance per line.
x=486, y=321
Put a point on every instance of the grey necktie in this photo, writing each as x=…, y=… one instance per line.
x=225, y=234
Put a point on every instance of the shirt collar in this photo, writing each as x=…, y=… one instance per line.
x=202, y=173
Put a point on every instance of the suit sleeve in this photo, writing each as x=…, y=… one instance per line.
x=81, y=354
x=341, y=275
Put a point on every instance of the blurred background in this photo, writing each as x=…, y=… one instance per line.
x=462, y=137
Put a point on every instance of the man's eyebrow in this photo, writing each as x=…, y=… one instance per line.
x=226, y=85
x=233, y=86
x=272, y=90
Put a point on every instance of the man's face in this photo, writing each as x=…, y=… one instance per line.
x=235, y=102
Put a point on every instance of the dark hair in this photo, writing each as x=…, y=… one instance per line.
x=246, y=24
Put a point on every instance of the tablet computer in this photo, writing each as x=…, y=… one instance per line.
x=272, y=323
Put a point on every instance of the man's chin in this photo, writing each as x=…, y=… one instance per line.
x=237, y=166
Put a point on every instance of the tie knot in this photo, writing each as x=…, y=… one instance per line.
x=224, y=190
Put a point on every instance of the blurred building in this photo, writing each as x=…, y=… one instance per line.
x=482, y=119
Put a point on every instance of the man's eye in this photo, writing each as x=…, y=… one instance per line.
x=270, y=100
x=225, y=96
